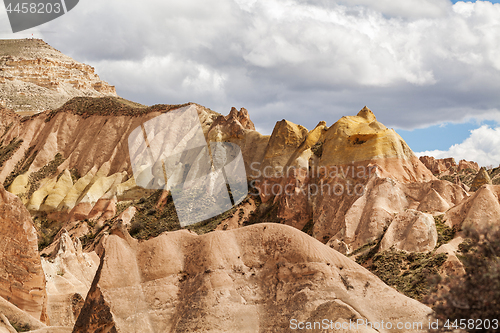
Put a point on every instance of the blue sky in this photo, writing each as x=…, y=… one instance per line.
x=428, y=68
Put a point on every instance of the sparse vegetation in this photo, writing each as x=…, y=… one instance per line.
x=21, y=327
x=317, y=149
x=445, y=233
x=7, y=151
x=48, y=170
x=21, y=167
x=408, y=273
x=108, y=106
x=47, y=230
x=476, y=295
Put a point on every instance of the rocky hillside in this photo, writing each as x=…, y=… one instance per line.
x=342, y=222
x=35, y=77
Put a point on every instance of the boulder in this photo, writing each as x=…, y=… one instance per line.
x=411, y=231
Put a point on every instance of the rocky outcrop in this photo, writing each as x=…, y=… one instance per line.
x=482, y=178
x=69, y=274
x=438, y=166
x=35, y=77
x=355, y=220
x=68, y=158
x=252, y=279
x=22, y=281
x=411, y=231
x=481, y=209
x=464, y=165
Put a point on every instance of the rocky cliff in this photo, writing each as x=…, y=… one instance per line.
x=343, y=195
x=35, y=77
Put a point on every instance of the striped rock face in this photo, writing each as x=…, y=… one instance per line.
x=22, y=281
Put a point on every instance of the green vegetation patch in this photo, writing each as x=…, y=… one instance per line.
x=150, y=220
x=370, y=249
x=445, y=233
x=46, y=229
x=409, y=273
x=476, y=294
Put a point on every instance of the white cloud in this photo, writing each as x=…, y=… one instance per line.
x=482, y=146
x=413, y=62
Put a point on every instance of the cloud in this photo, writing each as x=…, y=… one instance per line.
x=482, y=146
x=413, y=62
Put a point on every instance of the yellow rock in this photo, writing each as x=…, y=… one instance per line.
x=59, y=192
x=39, y=195
x=124, y=187
x=285, y=140
x=76, y=191
x=130, y=191
x=481, y=179
x=311, y=139
x=19, y=184
x=360, y=138
x=100, y=187
x=113, y=190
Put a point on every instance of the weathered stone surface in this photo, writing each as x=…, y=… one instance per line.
x=22, y=281
x=411, y=231
x=440, y=165
x=285, y=140
x=463, y=165
x=251, y=279
x=480, y=209
x=18, y=316
x=358, y=219
x=36, y=77
x=362, y=138
x=482, y=178
x=452, y=266
x=69, y=275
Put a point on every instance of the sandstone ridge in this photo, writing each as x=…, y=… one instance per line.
x=35, y=77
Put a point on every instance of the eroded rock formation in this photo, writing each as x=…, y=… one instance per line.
x=35, y=77
x=252, y=279
x=22, y=281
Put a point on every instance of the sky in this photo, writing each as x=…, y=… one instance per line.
x=430, y=69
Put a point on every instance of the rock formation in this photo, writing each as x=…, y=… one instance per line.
x=482, y=178
x=69, y=274
x=411, y=231
x=481, y=209
x=22, y=281
x=252, y=279
x=35, y=77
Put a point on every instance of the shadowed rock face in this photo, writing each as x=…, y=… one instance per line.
x=252, y=279
x=482, y=178
x=22, y=281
